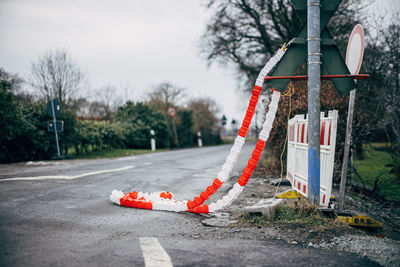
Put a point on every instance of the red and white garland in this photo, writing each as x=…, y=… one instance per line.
x=165, y=201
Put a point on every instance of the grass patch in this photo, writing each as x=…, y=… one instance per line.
x=113, y=153
x=228, y=139
x=301, y=211
x=297, y=212
x=374, y=163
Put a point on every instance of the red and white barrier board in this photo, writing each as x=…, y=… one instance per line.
x=297, y=156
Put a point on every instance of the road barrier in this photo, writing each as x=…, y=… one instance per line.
x=297, y=154
x=158, y=201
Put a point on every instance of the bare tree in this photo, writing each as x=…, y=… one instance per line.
x=16, y=82
x=81, y=106
x=106, y=101
x=247, y=32
x=390, y=99
x=204, y=115
x=55, y=71
x=13, y=79
x=165, y=95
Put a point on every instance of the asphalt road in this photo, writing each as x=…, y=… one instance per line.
x=59, y=214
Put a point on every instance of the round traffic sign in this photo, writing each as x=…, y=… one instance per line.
x=56, y=105
x=171, y=111
x=355, y=50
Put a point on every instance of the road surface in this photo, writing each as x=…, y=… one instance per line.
x=58, y=214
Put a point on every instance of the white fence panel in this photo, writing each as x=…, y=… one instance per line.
x=297, y=156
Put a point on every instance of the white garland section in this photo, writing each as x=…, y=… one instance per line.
x=178, y=206
x=264, y=135
x=223, y=175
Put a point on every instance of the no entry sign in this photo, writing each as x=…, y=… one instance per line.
x=171, y=111
x=355, y=50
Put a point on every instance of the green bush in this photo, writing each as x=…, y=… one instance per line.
x=24, y=134
x=23, y=131
x=185, y=128
x=113, y=134
x=138, y=119
x=38, y=143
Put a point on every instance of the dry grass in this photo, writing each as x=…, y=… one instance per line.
x=297, y=212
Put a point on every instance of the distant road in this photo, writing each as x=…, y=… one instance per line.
x=59, y=214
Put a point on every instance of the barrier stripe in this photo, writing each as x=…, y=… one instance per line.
x=156, y=202
x=292, y=133
x=322, y=142
x=329, y=133
x=298, y=133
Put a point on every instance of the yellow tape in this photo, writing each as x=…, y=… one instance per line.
x=360, y=220
x=291, y=194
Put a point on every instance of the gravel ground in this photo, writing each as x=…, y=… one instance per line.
x=384, y=251
x=381, y=246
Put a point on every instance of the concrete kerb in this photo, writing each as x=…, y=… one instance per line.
x=265, y=208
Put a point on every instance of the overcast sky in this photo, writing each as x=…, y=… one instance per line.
x=133, y=43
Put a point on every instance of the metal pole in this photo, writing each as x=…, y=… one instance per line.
x=314, y=85
x=55, y=127
x=175, y=132
x=346, y=149
x=51, y=96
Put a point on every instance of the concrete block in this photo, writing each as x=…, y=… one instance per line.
x=265, y=208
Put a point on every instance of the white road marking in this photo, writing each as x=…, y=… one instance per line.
x=127, y=158
x=148, y=163
x=153, y=253
x=66, y=177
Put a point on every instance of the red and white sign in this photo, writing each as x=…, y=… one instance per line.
x=171, y=111
x=355, y=50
